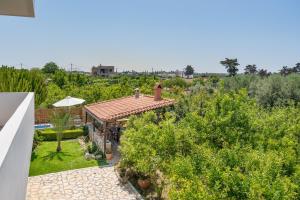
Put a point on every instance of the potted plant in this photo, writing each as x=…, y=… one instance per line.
x=108, y=154
x=144, y=182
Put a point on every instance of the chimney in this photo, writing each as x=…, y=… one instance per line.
x=157, y=92
x=137, y=93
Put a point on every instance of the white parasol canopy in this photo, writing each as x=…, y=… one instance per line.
x=69, y=101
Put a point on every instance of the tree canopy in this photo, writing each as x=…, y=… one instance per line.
x=296, y=69
x=231, y=66
x=250, y=69
x=189, y=70
x=50, y=68
x=14, y=80
x=263, y=73
x=226, y=147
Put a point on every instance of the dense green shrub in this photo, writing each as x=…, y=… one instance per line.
x=278, y=90
x=226, y=147
x=52, y=84
x=85, y=130
x=37, y=139
x=13, y=80
x=240, y=81
x=50, y=68
x=271, y=91
x=92, y=148
x=95, y=89
x=175, y=82
x=50, y=135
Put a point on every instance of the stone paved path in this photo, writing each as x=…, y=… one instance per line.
x=86, y=184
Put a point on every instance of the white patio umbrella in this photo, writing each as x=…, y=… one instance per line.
x=69, y=101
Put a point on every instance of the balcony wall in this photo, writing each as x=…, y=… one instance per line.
x=17, y=119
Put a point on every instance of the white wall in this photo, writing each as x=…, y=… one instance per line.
x=15, y=143
x=9, y=102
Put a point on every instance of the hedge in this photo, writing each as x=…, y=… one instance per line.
x=50, y=134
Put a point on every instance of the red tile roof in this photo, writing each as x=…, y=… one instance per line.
x=123, y=107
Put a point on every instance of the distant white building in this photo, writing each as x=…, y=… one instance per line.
x=179, y=73
x=16, y=136
x=182, y=74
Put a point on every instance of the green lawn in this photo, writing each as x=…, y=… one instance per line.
x=45, y=159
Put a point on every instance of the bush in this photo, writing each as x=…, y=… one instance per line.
x=178, y=82
x=240, y=81
x=15, y=80
x=272, y=91
x=50, y=135
x=92, y=148
x=37, y=138
x=226, y=147
x=85, y=131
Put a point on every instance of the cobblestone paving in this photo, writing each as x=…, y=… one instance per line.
x=92, y=183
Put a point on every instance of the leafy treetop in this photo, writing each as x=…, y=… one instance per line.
x=189, y=70
x=250, y=69
x=231, y=66
x=50, y=68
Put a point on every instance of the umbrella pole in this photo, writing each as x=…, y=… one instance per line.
x=70, y=117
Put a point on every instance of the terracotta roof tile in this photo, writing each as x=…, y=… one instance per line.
x=122, y=107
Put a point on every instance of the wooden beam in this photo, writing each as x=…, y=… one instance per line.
x=105, y=133
x=86, y=117
x=94, y=121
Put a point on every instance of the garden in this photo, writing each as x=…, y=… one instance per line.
x=63, y=148
x=223, y=145
x=228, y=137
x=45, y=159
x=232, y=137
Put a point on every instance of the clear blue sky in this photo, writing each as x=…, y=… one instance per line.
x=163, y=34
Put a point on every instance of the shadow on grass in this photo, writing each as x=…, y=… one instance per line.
x=53, y=154
x=33, y=156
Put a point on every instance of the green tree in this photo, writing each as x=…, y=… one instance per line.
x=60, y=78
x=60, y=121
x=50, y=68
x=250, y=69
x=55, y=94
x=177, y=81
x=189, y=70
x=263, y=73
x=296, y=69
x=231, y=66
x=286, y=71
x=15, y=80
x=225, y=147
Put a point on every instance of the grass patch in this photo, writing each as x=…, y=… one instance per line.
x=46, y=160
